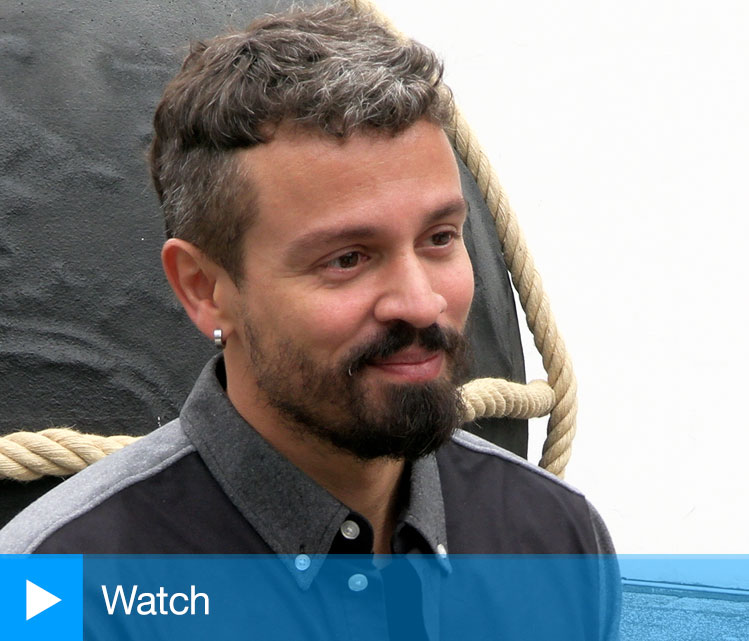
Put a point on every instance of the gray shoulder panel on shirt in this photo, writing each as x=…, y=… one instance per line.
x=478, y=444
x=92, y=486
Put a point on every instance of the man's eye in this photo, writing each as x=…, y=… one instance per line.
x=442, y=238
x=345, y=261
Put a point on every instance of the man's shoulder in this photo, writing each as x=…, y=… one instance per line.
x=470, y=450
x=497, y=502
x=94, y=486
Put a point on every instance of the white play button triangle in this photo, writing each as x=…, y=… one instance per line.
x=38, y=600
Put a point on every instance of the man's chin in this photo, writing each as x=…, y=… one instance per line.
x=403, y=420
x=374, y=419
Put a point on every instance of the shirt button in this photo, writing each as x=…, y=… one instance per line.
x=350, y=530
x=302, y=562
x=357, y=582
x=441, y=550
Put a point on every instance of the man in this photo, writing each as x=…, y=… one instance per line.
x=313, y=210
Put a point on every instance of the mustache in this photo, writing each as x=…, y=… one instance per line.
x=401, y=335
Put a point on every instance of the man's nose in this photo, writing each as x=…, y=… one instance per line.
x=408, y=295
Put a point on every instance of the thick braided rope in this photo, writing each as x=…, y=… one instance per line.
x=527, y=281
x=61, y=452
x=498, y=397
x=27, y=456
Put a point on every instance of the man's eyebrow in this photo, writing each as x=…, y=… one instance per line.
x=457, y=206
x=320, y=238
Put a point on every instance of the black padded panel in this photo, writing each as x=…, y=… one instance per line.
x=493, y=322
x=90, y=334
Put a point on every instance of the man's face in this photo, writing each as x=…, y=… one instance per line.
x=356, y=288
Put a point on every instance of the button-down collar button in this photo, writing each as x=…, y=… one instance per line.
x=302, y=562
x=357, y=582
x=441, y=550
x=350, y=530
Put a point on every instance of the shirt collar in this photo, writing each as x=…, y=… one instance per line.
x=290, y=511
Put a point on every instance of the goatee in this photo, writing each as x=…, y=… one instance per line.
x=368, y=419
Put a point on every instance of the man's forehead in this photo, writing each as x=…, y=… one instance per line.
x=298, y=160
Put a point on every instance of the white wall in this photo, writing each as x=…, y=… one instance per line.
x=621, y=133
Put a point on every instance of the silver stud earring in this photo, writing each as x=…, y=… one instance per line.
x=218, y=338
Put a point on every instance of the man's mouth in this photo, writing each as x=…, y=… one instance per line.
x=411, y=365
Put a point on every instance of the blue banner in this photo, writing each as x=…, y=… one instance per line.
x=523, y=598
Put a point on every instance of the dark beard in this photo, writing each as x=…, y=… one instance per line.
x=408, y=422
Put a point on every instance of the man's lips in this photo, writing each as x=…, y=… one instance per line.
x=411, y=365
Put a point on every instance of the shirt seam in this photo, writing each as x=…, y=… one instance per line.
x=477, y=444
x=124, y=483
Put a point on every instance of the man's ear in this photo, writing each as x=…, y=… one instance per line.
x=200, y=285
